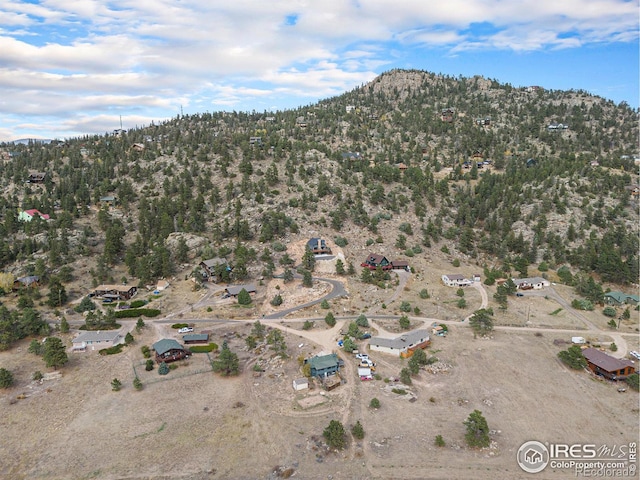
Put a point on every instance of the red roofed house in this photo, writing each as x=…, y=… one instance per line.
x=607, y=366
x=28, y=215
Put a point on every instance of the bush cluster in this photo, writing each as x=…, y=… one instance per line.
x=137, y=312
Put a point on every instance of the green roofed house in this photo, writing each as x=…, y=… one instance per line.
x=169, y=350
x=323, y=365
x=620, y=298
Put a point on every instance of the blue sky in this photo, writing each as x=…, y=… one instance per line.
x=69, y=67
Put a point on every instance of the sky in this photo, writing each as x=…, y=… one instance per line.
x=74, y=67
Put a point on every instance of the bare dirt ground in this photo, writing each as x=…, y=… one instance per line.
x=194, y=424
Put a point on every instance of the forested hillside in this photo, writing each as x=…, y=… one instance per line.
x=486, y=170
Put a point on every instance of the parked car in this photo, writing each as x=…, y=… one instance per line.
x=362, y=356
x=518, y=294
x=365, y=336
x=185, y=330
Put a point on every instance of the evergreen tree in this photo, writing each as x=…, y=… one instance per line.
x=57, y=293
x=54, y=353
x=64, y=325
x=357, y=431
x=334, y=435
x=481, y=322
x=227, y=363
x=244, y=298
x=477, y=430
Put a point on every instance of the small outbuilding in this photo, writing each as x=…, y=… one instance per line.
x=300, y=384
x=192, y=338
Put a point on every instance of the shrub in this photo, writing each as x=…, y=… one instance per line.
x=137, y=304
x=404, y=322
x=116, y=385
x=111, y=350
x=399, y=391
x=324, y=304
x=163, y=369
x=148, y=365
x=341, y=242
x=362, y=321
x=276, y=300
x=632, y=381
x=146, y=351
x=456, y=262
x=137, y=384
x=330, y=319
x=573, y=357
x=609, y=312
x=405, y=306
x=405, y=376
x=357, y=431
x=137, y=312
x=6, y=378
x=308, y=325
x=204, y=348
x=439, y=441
x=424, y=294
x=37, y=375
x=374, y=403
x=179, y=325
x=85, y=305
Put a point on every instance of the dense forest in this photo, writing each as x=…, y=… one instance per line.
x=506, y=176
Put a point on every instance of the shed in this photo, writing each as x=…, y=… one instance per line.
x=300, y=384
x=195, y=338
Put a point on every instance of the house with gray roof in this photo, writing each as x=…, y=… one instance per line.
x=536, y=283
x=234, y=290
x=96, y=340
x=402, y=346
x=455, y=280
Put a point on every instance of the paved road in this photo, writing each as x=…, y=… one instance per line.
x=338, y=290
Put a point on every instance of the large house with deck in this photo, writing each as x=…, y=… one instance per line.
x=402, y=346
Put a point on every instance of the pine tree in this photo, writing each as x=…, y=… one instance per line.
x=477, y=430
x=116, y=385
x=54, y=353
x=57, y=293
x=227, y=363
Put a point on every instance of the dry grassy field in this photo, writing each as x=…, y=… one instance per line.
x=194, y=424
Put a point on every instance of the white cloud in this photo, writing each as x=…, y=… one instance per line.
x=154, y=53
